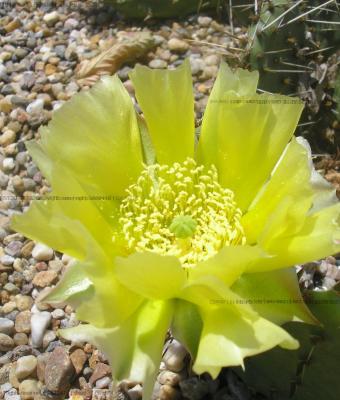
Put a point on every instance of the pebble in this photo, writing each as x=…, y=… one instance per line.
x=25, y=367
x=135, y=393
x=103, y=382
x=49, y=336
x=7, y=260
x=157, y=64
x=23, y=322
x=204, y=21
x=51, y=18
x=6, y=342
x=29, y=389
x=6, y=326
x=99, y=372
x=13, y=249
x=177, y=45
x=7, y=137
x=78, y=359
x=174, y=356
x=35, y=107
x=20, y=339
x=23, y=302
x=42, y=252
x=58, y=371
x=45, y=278
x=8, y=164
x=39, y=323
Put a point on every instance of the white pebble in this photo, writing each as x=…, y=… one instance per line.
x=8, y=164
x=39, y=323
x=35, y=107
x=42, y=252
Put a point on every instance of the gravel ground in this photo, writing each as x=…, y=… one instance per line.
x=40, y=47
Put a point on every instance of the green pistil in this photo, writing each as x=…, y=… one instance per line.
x=183, y=226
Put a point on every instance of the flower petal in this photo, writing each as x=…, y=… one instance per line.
x=318, y=238
x=291, y=178
x=100, y=129
x=166, y=99
x=68, y=220
x=151, y=275
x=245, y=149
x=275, y=295
x=228, y=264
x=229, y=336
x=324, y=191
x=100, y=298
x=134, y=349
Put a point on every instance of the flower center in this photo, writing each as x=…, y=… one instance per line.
x=180, y=210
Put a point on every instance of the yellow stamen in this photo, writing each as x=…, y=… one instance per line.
x=180, y=210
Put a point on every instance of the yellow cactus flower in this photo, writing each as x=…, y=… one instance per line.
x=199, y=237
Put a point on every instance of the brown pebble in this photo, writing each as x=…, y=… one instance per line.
x=45, y=278
x=78, y=358
x=23, y=322
x=59, y=371
x=99, y=372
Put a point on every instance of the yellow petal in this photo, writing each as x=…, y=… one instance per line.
x=166, y=99
x=228, y=264
x=244, y=135
x=275, y=295
x=290, y=179
x=151, y=275
x=318, y=237
x=97, y=137
x=228, y=337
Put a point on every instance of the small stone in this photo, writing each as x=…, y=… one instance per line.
x=6, y=326
x=23, y=302
x=23, y=322
x=168, y=392
x=35, y=107
x=29, y=389
x=7, y=137
x=5, y=106
x=11, y=288
x=78, y=358
x=58, y=313
x=39, y=323
x=99, y=372
x=177, y=45
x=135, y=393
x=58, y=371
x=8, y=164
x=71, y=23
x=13, y=25
x=169, y=378
x=25, y=367
x=204, y=21
x=42, y=252
x=103, y=382
x=174, y=356
x=212, y=59
x=14, y=248
x=7, y=260
x=26, y=250
x=45, y=278
x=20, y=339
x=50, y=69
x=48, y=338
x=51, y=18
x=6, y=342
x=157, y=64
x=19, y=101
